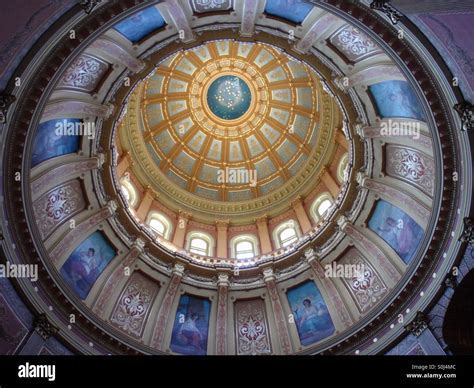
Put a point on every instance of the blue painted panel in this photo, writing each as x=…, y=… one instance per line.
x=191, y=326
x=293, y=10
x=86, y=263
x=139, y=25
x=311, y=314
x=396, y=99
x=51, y=141
x=397, y=228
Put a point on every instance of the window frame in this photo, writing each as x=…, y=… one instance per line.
x=164, y=220
x=203, y=236
x=132, y=191
x=314, y=209
x=252, y=239
x=293, y=224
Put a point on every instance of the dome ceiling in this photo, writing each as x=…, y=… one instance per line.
x=230, y=121
x=214, y=103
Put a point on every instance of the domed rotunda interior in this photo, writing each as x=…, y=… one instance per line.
x=237, y=177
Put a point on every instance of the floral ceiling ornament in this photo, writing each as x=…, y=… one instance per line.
x=385, y=7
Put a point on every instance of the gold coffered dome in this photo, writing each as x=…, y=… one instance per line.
x=229, y=128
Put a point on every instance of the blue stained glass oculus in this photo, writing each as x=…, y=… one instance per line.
x=229, y=97
x=141, y=24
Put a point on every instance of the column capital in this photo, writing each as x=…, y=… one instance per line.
x=223, y=280
x=184, y=215
x=222, y=223
x=261, y=219
x=112, y=206
x=310, y=254
x=100, y=159
x=268, y=275
x=360, y=178
x=342, y=222
x=298, y=201
x=139, y=244
x=178, y=269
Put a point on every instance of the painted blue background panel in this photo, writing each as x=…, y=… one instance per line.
x=293, y=10
x=191, y=326
x=50, y=143
x=396, y=99
x=87, y=262
x=397, y=228
x=311, y=314
x=139, y=25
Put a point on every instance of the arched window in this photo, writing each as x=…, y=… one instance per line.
x=200, y=244
x=160, y=224
x=129, y=192
x=244, y=247
x=342, y=167
x=321, y=206
x=286, y=234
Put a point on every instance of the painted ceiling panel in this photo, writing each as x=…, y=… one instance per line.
x=175, y=178
x=223, y=47
x=272, y=185
x=270, y=133
x=235, y=151
x=209, y=139
x=244, y=49
x=297, y=69
x=155, y=85
x=184, y=162
x=255, y=148
x=396, y=99
x=215, y=150
x=297, y=165
x=165, y=140
x=354, y=44
x=313, y=135
x=197, y=141
x=304, y=97
x=276, y=75
x=301, y=126
x=283, y=95
x=265, y=167
x=186, y=66
x=240, y=195
x=154, y=114
x=203, y=53
x=182, y=127
x=263, y=58
x=156, y=158
x=295, y=11
x=175, y=107
x=177, y=86
x=209, y=174
x=280, y=115
x=141, y=24
x=207, y=193
x=287, y=151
